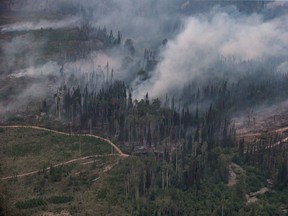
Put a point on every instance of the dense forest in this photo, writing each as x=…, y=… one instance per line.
x=185, y=155
x=182, y=149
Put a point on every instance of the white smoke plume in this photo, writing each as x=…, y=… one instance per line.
x=50, y=68
x=41, y=24
x=196, y=42
x=211, y=38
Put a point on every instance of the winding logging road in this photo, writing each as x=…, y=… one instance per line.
x=117, y=149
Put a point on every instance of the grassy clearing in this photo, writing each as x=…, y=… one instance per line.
x=24, y=150
x=73, y=187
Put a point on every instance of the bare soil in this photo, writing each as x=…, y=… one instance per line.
x=262, y=120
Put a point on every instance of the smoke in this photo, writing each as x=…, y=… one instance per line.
x=33, y=94
x=41, y=24
x=39, y=82
x=199, y=45
x=20, y=52
x=147, y=21
x=97, y=62
x=50, y=68
x=283, y=67
x=277, y=4
x=210, y=38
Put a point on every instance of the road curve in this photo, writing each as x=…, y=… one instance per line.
x=57, y=165
x=118, y=150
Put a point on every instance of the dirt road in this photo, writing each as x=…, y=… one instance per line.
x=118, y=150
x=233, y=169
x=67, y=134
x=57, y=165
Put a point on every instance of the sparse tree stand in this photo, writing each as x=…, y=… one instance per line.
x=80, y=146
x=112, y=150
x=186, y=147
x=282, y=178
x=70, y=127
x=90, y=126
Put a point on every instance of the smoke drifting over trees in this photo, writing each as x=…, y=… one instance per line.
x=166, y=80
x=188, y=40
x=215, y=38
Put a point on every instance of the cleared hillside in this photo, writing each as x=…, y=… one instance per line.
x=52, y=171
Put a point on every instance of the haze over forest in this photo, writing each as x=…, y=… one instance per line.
x=190, y=97
x=189, y=41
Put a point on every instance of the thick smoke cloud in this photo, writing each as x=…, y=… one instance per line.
x=214, y=37
x=198, y=44
x=22, y=50
x=147, y=23
x=34, y=93
x=44, y=80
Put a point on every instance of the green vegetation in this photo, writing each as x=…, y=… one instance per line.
x=184, y=152
x=183, y=155
x=135, y=187
x=183, y=169
x=16, y=119
x=23, y=150
x=60, y=187
x=36, y=202
x=31, y=203
x=213, y=197
x=254, y=180
x=60, y=199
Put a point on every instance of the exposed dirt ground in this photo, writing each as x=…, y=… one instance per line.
x=252, y=197
x=251, y=126
x=234, y=172
x=263, y=120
